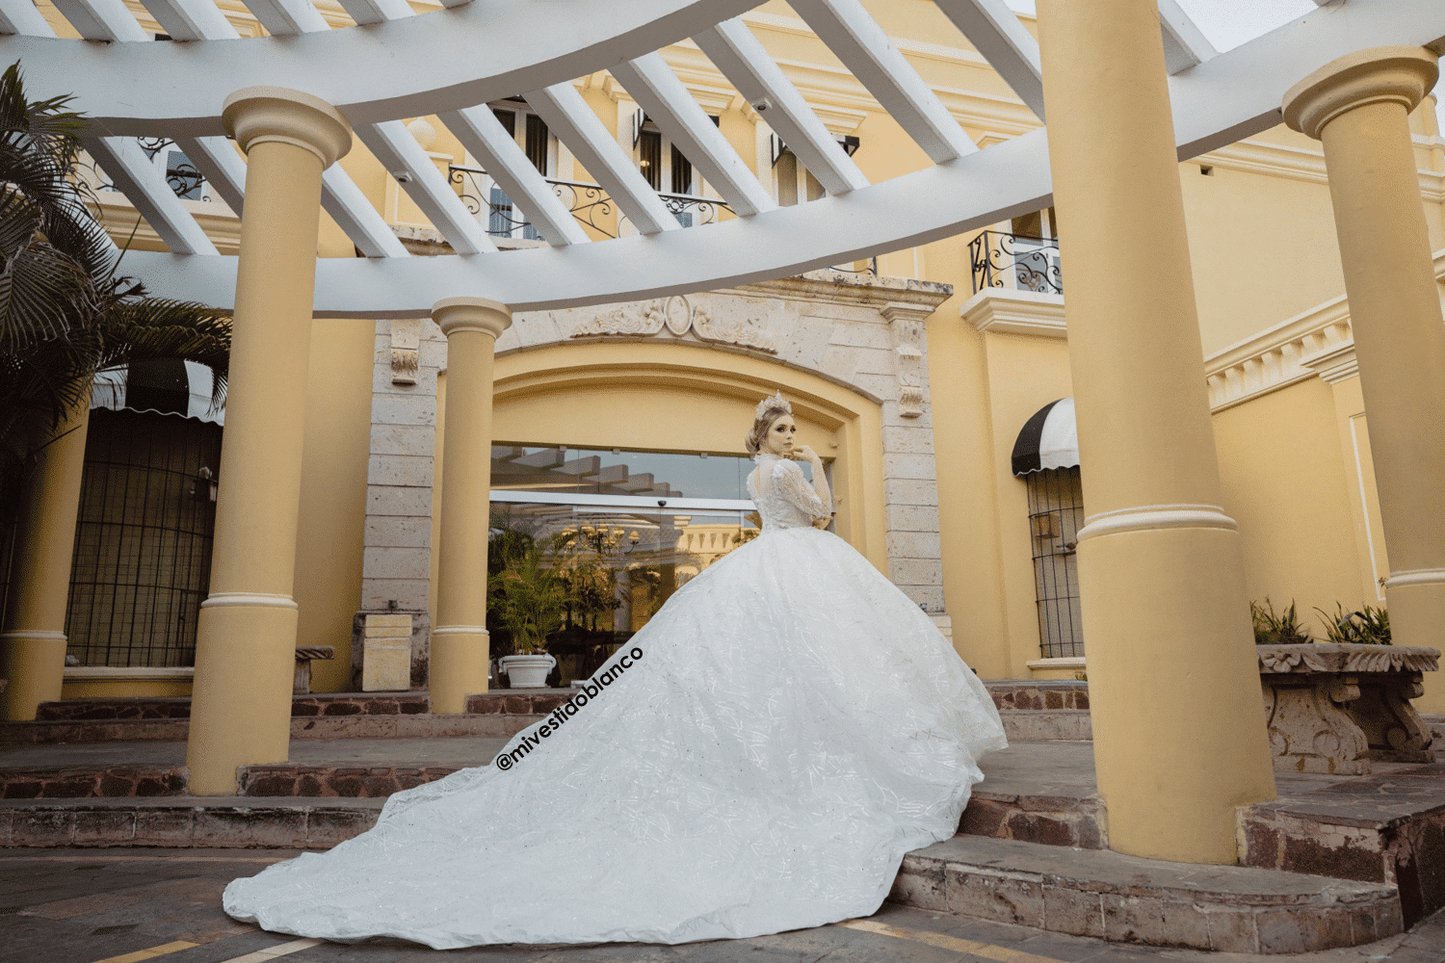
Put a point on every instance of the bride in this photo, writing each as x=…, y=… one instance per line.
x=758, y=758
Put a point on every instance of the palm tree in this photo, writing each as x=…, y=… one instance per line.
x=65, y=311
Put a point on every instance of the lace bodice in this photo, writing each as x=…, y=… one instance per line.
x=784, y=497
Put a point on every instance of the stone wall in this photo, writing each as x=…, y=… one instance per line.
x=396, y=566
x=857, y=330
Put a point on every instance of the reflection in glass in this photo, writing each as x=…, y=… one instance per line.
x=598, y=471
x=617, y=565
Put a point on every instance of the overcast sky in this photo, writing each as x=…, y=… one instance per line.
x=1229, y=23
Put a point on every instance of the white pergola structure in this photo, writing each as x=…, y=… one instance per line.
x=1114, y=146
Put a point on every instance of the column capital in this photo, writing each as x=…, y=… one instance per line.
x=471, y=314
x=256, y=115
x=1400, y=75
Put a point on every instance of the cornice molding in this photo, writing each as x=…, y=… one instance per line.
x=1317, y=343
x=1335, y=364
x=1277, y=357
x=1005, y=311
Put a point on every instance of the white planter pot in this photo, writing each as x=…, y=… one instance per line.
x=527, y=671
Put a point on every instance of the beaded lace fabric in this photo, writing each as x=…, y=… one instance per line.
x=789, y=726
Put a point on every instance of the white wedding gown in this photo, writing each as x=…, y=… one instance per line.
x=789, y=726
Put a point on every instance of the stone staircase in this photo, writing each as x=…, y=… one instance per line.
x=1326, y=867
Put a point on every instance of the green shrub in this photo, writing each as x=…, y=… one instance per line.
x=1368, y=626
x=1281, y=629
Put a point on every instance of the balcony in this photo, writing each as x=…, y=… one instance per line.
x=588, y=203
x=1016, y=262
x=180, y=174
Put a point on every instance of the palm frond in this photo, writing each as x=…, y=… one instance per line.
x=65, y=312
x=44, y=294
x=149, y=329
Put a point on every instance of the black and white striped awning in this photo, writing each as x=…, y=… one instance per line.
x=1048, y=439
x=162, y=387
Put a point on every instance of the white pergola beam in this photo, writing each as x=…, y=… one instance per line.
x=1231, y=96
x=102, y=20
x=22, y=18
x=353, y=213
x=995, y=31
x=400, y=154
x=1184, y=45
x=506, y=163
x=135, y=175
x=855, y=37
x=217, y=159
x=567, y=115
x=738, y=54
x=191, y=19
x=529, y=44
x=223, y=167
x=375, y=11
x=285, y=18
x=657, y=90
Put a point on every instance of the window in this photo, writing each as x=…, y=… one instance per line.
x=142, y=558
x=640, y=523
x=795, y=182
x=671, y=174
x=1056, y=513
x=503, y=218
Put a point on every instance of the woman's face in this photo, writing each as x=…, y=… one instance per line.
x=779, y=440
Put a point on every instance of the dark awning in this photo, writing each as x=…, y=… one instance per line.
x=163, y=387
x=1048, y=439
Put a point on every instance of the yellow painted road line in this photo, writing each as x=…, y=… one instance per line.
x=945, y=942
x=139, y=955
x=283, y=949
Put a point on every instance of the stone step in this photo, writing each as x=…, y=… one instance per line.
x=150, y=709
x=1020, y=725
x=411, y=726
x=211, y=822
x=1007, y=694
x=1126, y=899
x=1082, y=892
x=1387, y=827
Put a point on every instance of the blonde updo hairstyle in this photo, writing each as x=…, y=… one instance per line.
x=761, y=427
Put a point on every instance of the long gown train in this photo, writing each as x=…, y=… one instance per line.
x=758, y=758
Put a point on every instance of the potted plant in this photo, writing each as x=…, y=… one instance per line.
x=528, y=599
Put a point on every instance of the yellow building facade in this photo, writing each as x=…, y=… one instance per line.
x=1288, y=414
x=913, y=373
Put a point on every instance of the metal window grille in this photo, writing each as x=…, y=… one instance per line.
x=1056, y=513
x=143, y=539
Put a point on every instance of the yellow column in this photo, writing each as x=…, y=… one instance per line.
x=460, y=653
x=1358, y=106
x=1179, y=730
x=241, y=710
x=32, y=649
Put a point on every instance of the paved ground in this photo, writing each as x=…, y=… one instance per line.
x=129, y=906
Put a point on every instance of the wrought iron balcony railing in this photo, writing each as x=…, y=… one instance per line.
x=588, y=203
x=182, y=177
x=1017, y=262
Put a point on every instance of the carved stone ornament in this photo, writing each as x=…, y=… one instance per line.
x=1335, y=708
x=405, y=350
x=905, y=325
x=678, y=317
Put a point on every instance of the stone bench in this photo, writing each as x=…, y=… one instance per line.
x=1335, y=708
x=304, y=657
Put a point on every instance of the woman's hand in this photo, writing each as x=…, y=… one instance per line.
x=804, y=453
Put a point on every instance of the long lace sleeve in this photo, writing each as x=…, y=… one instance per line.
x=789, y=482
